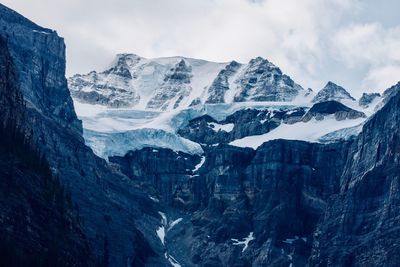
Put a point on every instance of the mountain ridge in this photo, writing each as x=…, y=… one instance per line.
x=241, y=82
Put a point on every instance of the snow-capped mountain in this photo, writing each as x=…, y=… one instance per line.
x=206, y=183
x=332, y=91
x=177, y=82
x=367, y=99
x=138, y=96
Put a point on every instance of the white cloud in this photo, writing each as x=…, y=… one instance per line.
x=373, y=47
x=367, y=44
x=380, y=78
x=294, y=34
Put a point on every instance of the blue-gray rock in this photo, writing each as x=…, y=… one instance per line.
x=332, y=91
x=219, y=87
x=341, y=112
x=367, y=99
x=108, y=201
x=263, y=81
x=242, y=123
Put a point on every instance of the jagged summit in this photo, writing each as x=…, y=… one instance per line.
x=177, y=82
x=366, y=99
x=263, y=81
x=332, y=91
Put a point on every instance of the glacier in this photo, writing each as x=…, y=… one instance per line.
x=138, y=102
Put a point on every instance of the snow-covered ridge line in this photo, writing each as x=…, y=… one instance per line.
x=177, y=82
x=140, y=102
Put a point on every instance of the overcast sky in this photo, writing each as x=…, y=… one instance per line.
x=355, y=43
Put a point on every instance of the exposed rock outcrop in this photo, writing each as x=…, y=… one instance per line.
x=366, y=99
x=334, y=92
x=263, y=81
x=174, y=89
x=242, y=123
x=220, y=85
x=337, y=109
x=359, y=227
x=38, y=225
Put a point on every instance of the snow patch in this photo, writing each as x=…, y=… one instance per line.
x=244, y=242
x=310, y=131
x=42, y=32
x=198, y=166
x=221, y=127
x=174, y=223
x=87, y=110
x=161, y=234
x=172, y=260
x=161, y=230
x=154, y=199
x=290, y=241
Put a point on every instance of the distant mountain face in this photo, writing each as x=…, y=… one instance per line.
x=138, y=96
x=177, y=82
x=332, y=92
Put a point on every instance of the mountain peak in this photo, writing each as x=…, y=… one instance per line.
x=127, y=59
x=332, y=91
x=367, y=98
x=157, y=82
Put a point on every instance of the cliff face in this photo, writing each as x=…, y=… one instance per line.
x=108, y=202
x=359, y=227
x=38, y=225
x=39, y=57
x=292, y=202
x=276, y=193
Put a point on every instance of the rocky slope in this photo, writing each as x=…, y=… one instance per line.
x=359, y=226
x=332, y=92
x=337, y=109
x=272, y=194
x=242, y=123
x=38, y=225
x=108, y=202
x=368, y=99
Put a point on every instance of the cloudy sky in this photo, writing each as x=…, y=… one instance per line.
x=355, y=43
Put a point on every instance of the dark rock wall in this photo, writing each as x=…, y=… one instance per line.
x=359, y=227
x=277, y=192
x=38, y=224
x=112, y=207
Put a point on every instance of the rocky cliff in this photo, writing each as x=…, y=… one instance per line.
x=276, y=193
x=38, y=224
x=114, y=221
x=359, y=225
x=287, y=202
